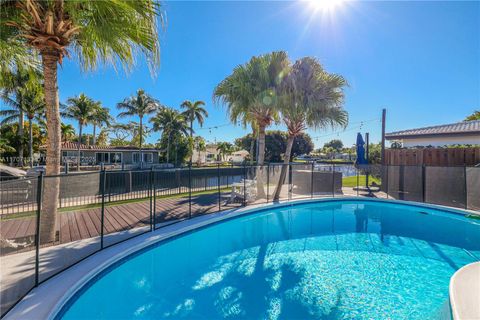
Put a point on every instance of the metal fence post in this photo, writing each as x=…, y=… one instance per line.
x=358, y=180
x=218, y=186
x=290, y=186
x=154, y=201
x=311, y=180
x=102, y=215
x=190, y=190
x=385, y=169
x=268, y=180
x=150, y=191
x=424, y=179
x=244, y=184
x=465, y=185
x=37, y=235
x=333, y=180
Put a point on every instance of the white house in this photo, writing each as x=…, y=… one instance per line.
x=238, y=156
x=466, y=132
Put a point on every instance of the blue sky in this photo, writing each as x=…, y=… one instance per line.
x=420, y=60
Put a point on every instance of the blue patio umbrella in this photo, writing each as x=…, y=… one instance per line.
x=360, y=150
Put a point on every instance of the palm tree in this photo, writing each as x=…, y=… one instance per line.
x=224, y=149
x=194, y=112
x=100, y=32
x=309, y=97
x=200, y=146
x=170, y=121
x=100, y=116
x=68, y=131
x=80, y=108
x=14, y=85
x=474, y=116
x=140, y=105
x=28, y=101
x=250, y=94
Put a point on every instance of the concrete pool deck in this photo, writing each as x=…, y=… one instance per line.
x=44, y=301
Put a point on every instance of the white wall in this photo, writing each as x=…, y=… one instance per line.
x=441, y=141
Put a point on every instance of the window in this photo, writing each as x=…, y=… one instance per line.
x=115, y=157
x=71, y=156
x=108, y=157
x=136, y=157
x=147, y=157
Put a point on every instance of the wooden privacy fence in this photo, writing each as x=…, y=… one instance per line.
x=433, y=156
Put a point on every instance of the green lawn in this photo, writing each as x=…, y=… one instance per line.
x=352, y=181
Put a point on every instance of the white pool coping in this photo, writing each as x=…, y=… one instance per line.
x=46, y=300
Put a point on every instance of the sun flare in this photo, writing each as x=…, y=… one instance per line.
x=325, y=5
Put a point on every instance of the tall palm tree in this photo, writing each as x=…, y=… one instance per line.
x=81, y=109
x=310, y=97
x=140, y=105
x=170, y=122
x=100, y=116
x=194, y=112
x=224, y=149
x=50, y=28
x=200, y=146
x=14, y=85
x=250, y=94
x=28, y=101
x=68, y=131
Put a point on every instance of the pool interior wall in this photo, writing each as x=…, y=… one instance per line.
x=311, y=260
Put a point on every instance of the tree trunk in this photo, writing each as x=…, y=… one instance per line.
x=283, y=173
x=176, y=153
x=191, y=142
x=51, y=185
x=141, y=134
x=252, y=148
x=260, y=159
x=168, y=148
x=20, y=133
x=78, y=145
x=94, y=134
x=30, y=143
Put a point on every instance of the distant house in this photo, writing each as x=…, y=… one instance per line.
x=211, y=155
x=238, y=156
x=94, y=155
x=467, y=132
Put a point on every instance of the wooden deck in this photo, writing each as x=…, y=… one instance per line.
x=84, y=224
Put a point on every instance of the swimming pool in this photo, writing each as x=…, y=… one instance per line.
x=347, y=259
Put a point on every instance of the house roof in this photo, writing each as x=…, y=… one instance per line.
x=459, y=128
x=68, y=145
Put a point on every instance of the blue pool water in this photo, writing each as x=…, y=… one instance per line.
x=323, y=260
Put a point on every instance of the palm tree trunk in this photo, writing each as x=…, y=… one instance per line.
x=176, y=152
x=168, y=148
x=51, y=187
x=30, y=143
x=252, y=148
x=20, y=133
x=78, y=144
x=141, y=135
x=283, y=173
x=191, y=142
x=94, y=134
x=260, y=160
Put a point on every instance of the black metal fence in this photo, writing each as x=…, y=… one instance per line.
x=95, y=210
